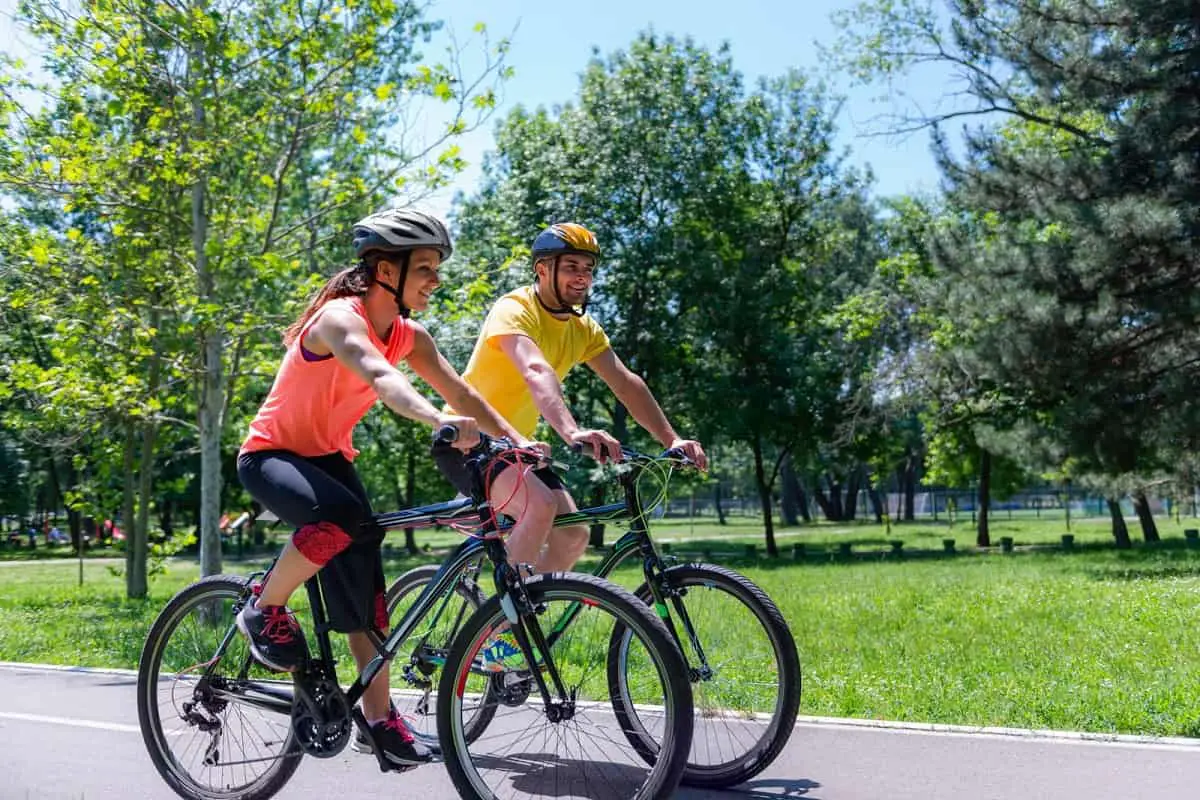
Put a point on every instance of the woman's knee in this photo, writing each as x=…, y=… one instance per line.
x=320, y=541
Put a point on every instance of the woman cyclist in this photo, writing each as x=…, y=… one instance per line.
x=296, y=461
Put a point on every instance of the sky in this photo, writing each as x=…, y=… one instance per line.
x=552, y=43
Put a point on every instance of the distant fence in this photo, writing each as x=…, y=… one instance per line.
x=936, y=504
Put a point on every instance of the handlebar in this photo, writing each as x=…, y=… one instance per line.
x=670, y=454
x=447, y=434
x=488, y=445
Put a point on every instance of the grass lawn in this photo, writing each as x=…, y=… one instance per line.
x=1095, y=639
x=1025, y=529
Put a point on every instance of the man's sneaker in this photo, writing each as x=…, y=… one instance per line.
x=275, y=637
x=399, y=746
x=503, y=653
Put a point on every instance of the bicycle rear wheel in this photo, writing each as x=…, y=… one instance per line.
x=570, y=748
x=216, y=724
x=746, y=687
x=415, y=681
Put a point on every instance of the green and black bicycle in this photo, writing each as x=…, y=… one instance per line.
x=741, y=657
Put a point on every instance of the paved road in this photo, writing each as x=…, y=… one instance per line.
x=73, y=736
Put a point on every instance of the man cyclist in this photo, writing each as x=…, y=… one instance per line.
x=531, y=339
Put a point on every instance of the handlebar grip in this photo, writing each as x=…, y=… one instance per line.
x=576, y=447
x=446, y=433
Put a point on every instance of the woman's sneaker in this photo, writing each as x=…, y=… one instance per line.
x=399, y=746
x=275, y=638
x=362, y=744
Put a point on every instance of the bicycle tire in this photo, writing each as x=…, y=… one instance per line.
x=209, y=589
x=766, y=748
x=592, y=591
x=415, y=580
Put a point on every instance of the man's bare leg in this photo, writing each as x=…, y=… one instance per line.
x=566, y=545
x=532, y=505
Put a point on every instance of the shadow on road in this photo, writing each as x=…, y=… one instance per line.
x=760, y=789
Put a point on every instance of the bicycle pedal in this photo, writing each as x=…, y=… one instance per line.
x=398, y=769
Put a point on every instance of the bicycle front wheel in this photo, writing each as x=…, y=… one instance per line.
x=742, y=660
x=571, y=746
x=217, y=725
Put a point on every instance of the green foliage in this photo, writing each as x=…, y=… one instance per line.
x=727, y=223
x=190, y=168
x=1063, y=317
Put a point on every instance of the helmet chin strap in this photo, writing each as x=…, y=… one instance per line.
x=563, y=308
x=398, y=294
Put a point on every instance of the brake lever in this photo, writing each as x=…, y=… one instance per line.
x=677, y=455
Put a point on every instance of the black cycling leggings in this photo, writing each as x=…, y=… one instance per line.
x=314, y=494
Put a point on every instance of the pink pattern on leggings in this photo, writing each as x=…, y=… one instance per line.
x=381, y=614
x=320, y=542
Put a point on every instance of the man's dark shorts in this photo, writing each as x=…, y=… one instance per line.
x=452, y=463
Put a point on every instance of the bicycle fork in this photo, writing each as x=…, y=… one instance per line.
x=521, y=615
x=661, y=590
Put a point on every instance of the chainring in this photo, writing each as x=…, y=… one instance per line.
x=322, y=727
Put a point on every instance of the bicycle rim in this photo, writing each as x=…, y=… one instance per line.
x=414, y=680
x=747, y=702
x=526, y=752
x=205, y=736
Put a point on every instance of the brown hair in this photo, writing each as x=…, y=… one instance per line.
x=350, y=282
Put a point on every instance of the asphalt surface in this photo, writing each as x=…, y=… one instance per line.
x=74, y=735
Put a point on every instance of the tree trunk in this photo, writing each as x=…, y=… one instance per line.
x=802, y=497
x=137, y=536
x=850, y=508
x=876, y=501
x=410, y=494
x=823, y=500
x=128, y=465
x=620, y=419
x=910, y=488
x=835, y=498
x=1120, y=531
x=790, y=491
x=983, y=536
x=211, y=395
x=596, y=531
x=1141, y=504
x=168, y=526
x=717, y=502
x=764, y=496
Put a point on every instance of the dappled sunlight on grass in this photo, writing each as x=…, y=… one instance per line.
x=1096, y=639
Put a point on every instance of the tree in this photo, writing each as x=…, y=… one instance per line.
x=1074, y=260
x=229, y=138
x=716, y=212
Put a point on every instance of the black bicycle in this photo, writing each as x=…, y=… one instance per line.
x=218, y=725
x=741, y=656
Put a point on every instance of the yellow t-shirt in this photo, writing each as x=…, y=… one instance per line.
x=563, y=342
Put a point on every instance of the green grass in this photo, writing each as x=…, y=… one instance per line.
x=1097, y=639
x=698, y=535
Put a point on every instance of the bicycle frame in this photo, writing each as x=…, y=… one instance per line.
x=636, y=540
x=422, y=517
x=484, y=542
